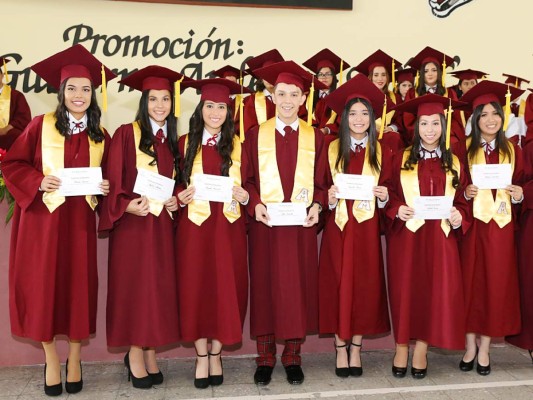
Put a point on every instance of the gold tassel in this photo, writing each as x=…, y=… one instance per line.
x=516, y=83
x=6, y=76
x=507, y=110
x=104, y=90
x=177, y=97
x=393, y=79
x=310, y=103
x=444, y=72
x=417, y=78
x=383, y=118
x=340, y=72
x=449, y=125
x=241, y=112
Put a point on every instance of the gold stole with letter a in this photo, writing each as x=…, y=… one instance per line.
x=362, y=210
x=53, y=154
x=270, y=180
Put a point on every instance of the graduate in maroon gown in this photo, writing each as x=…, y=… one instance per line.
x=326, y=65
x=211, y=255
x=516, y=82
x=352, y=294
x=53, y=282
x=380, y=69
x=286, y=164
x=15, y=113
x=235, y=75
x=488, y=252
x=431, y=67
x=405, y=79
x=142, y=310
x=525, y=255
x=424, y=270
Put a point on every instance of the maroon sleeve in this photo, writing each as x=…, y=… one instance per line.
x=21, y=168
x=250, y=117
x=320, y=192
x=250, y=176
x=19, y=118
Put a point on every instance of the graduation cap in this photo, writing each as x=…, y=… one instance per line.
x=514, y=80
x=228, y=71
x=467, y=74
x=406, y=74
x=326, y=58
x=379, y=59
x=436, y=57
x=74, y=62
x=263, y=60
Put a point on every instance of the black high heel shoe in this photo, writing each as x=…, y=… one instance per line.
x=357, y=371
x=139, y=383
x=73, y=387
x=200, y=383
x=342, y=372
x=52, y=390
x=216, y=380
x=399, y=372
x=157, y=378
x=420, y=373
x=483, y=370
x=531, y=354
x=466, y=366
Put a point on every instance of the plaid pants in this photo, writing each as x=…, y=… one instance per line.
x=266, y=350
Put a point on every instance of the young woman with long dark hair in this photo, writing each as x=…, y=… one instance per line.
x=211, y=237
x=352, y=294
x=424, y=270
x=142, y=310
x=53, y=272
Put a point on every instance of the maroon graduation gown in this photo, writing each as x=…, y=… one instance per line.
x=212, y=267
x=352, y=294
x=53, y=278
x=19, y=118
x=283, y=260
x=424, y=270
x=141, y=299
x=490, y=273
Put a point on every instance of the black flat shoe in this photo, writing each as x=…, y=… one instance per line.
x=201, y=383
x=357, y=371
x=157, y=378
x=263, y=375
x=73, y=387
x=216, y=380
x=466, y=366
x=52, y=390
x=420, y=373
x=399, y=372
x=342, y=372
x=295, y=375
x=483, y=370
x=139, y=383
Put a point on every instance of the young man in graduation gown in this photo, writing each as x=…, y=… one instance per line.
x=286, y=165
x=14, y=111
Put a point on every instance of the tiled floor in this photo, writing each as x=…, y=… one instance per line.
x=511, y=378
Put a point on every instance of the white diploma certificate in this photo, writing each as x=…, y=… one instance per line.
x=286, y=214
x=79, y=181
x=354, y=187
x=153, y=186
x=213, y=188
x=433, y=207
x=492, y=176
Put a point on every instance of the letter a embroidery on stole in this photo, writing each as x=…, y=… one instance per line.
x=303, y=196
x=232, y=208
x=502, y=209
x=364, y=205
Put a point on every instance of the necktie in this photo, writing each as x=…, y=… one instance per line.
x=212, y=141
x=488, y=150
x=77, y=128
x=357, y=147
x=160, y=136
x=322, y=95
x=288, y=130
x=432, y=89
x=429, y=154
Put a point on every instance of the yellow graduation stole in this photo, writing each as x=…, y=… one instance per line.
x=143, y=161
x=260, y=107
x=199, y=210
x=53, y=159
x=522, y=108
x=332, y=118
x=270, y=181
x=5, y=104
x=390, y=114
x=362, y=210
x=411, y=189
x=485, y=206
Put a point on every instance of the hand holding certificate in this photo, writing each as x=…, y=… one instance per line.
x=286, y=214
x=354, y=187
x=213, y=188
x=433, y=207
x=492, y=176
x=153, y=186
x=80, y=181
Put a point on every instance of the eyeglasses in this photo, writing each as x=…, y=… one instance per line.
x=324, y=75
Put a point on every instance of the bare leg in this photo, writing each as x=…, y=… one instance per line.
x=471, y=347
x=342, y=355
x=137, y=366
x=74, y=359
x=355, y=351
x=150, y=360
x=420, y=355
x=215, y=362
x=401, y=357
x=202, y=363
x=483, y=358
x=53, y=367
